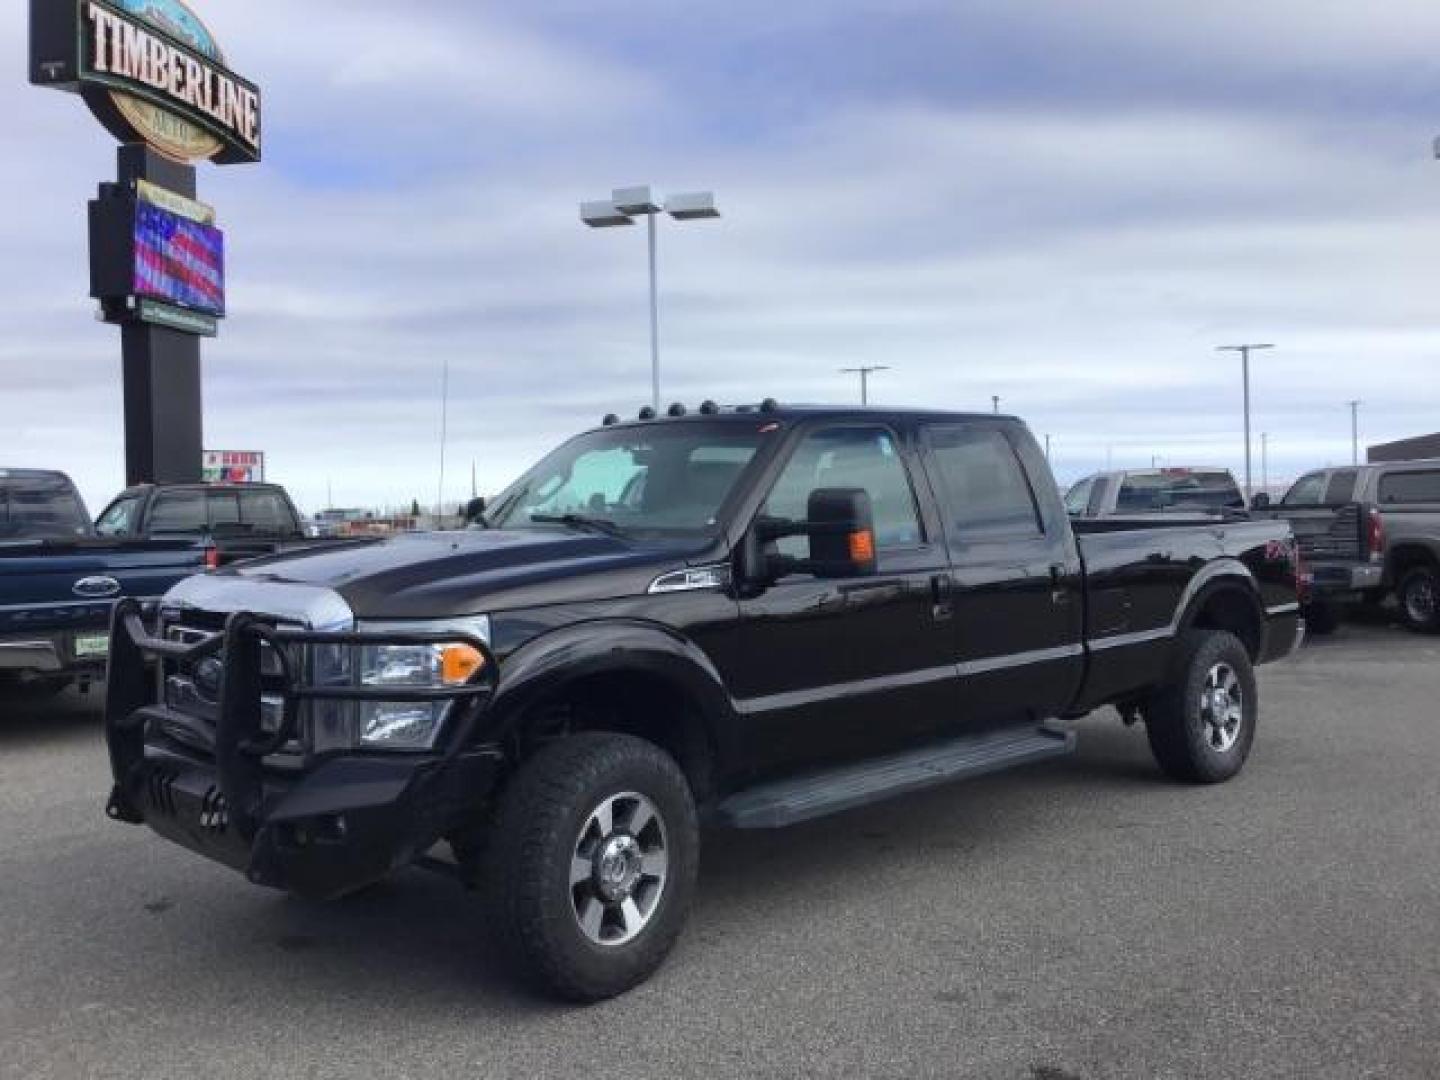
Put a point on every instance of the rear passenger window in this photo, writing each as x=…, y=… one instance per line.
x=982, y=486
x=264, y=512
x=224, y=509
x=1341, y=488
x=1410, y=487
x=179, y=512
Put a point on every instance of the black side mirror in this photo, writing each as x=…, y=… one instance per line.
x=842, y=533
x=1260, y=502
x=475, y=510
x=841, y=529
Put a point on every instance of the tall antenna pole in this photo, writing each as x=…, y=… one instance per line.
x=444, y=424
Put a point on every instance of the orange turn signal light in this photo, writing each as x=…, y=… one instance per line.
x=862, y=546
x=459, y=663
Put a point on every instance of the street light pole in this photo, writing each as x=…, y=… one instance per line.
x=622, y=208
x=864, y=373
x=654, y=319
x=1355, y=432
x=1244, y=351
x=1264, y=461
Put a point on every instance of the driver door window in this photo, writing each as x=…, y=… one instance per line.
x=848, y=458
x=119, y=518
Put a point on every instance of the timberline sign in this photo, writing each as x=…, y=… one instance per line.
x=150, y=71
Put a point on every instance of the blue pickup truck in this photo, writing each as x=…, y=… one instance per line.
x=59, y=581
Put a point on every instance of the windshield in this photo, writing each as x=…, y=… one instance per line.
x=41, y=508
x=1178, y=489
x=669, y=480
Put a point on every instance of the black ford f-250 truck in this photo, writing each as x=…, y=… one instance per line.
x=746, y=617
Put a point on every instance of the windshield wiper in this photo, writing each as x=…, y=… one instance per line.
x=580, y=521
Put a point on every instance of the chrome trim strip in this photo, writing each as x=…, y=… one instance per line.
x=790, y=699
x=1141, y=637
x=314, y=606
x=1022, y=659
x=1283, y=609
x=103, y=601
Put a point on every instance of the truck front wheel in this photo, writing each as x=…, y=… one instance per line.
x=1202, y=724
x=590, y=864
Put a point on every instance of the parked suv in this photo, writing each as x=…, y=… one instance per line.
x=1367, y=531
x=750, y=617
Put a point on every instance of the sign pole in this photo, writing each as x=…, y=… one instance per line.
x=163, y=423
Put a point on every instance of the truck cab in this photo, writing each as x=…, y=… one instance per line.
x=235, y=521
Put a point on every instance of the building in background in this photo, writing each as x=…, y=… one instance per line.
x=1422, y=446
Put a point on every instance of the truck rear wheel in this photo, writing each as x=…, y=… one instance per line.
x=1321, y=619
x=1419, y=596
x=590, y=865
x=1202, y=725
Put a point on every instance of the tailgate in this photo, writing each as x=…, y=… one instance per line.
x=42, y=587
x=1330, y=534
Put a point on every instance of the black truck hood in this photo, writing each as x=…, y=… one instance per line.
x=434, y=575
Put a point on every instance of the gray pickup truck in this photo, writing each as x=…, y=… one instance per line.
x=1368, y=531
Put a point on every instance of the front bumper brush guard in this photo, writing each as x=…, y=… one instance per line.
x=240, y=743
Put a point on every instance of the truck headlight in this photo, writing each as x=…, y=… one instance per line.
x=411, y=725
x=392, y=725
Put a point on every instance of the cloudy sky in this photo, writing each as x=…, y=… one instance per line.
x=1068, y=205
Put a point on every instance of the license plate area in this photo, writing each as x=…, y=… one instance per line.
x=90, y=646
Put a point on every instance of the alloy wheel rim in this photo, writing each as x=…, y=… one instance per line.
x=1222, y=708
x=618, y=869
x=1420, y=600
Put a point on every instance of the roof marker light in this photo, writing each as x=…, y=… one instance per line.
x=676, y=409
x=708, y=408
x=647, y=413
x=610, y=419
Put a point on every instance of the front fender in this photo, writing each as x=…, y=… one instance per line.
x=544, y=665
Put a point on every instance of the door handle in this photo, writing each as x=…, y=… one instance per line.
x=1059, y=595
x=942, y=592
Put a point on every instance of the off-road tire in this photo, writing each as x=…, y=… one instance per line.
x=527, y=864
x=1412, y=612
x=1181, y=739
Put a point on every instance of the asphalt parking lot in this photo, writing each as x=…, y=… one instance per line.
x=1081, y=919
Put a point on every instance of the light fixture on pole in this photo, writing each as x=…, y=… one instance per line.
x=1245, y=351
x=864, y=373
x=1355, y=431
x=622, y=208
